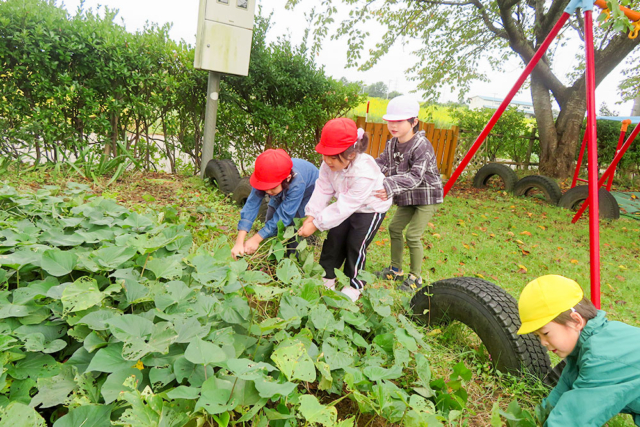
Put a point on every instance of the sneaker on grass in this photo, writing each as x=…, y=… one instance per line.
x=388, y=273
x=411, y=284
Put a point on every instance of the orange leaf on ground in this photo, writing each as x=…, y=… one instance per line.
x=522, y=268
x=542, y=227
x=620, y=278
x=525, y=233
x=574, y=261
x=431, y=225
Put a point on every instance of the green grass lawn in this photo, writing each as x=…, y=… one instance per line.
x=483, y=233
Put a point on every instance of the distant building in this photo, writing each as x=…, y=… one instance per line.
x=478, y=102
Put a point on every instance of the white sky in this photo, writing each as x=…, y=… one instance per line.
x=184, y=14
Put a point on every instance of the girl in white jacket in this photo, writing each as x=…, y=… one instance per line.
x=352, y=177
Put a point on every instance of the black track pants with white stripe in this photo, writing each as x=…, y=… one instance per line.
x=347, y=243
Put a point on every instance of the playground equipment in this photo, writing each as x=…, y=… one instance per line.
x=483, y=306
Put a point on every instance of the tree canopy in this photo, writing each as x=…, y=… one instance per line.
x=463, y=41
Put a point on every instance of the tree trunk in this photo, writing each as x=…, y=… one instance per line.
x=635, y=111
x=558, y=137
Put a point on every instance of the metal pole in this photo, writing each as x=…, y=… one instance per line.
x=592, y=155
x=505, y=103
x=579, y=164
x=610, y=170
x=623, y=132
x=213, y=90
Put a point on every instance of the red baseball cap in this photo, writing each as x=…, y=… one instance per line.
x=272, y=167
x=337, y=136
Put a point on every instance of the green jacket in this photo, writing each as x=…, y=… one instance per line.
x=601, y=378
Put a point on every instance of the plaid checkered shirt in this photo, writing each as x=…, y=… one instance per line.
x=416, y=179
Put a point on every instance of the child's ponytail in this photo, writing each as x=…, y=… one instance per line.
x=363, y=141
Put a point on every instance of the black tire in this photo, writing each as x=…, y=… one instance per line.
x=492, y=314
x=241, y=194
x=608, y=205
x=548, y=186
x=509, y=177
x=223, y=174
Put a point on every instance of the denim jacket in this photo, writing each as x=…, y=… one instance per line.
x=288, y=204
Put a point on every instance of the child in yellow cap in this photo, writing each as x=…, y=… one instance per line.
x=602, y=374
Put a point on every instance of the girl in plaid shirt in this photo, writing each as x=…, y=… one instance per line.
x=413, y=181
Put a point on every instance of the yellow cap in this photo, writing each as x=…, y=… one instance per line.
x=544, y=298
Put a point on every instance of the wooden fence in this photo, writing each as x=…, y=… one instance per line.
x=444, y=141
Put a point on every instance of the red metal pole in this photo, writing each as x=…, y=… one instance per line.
x=609, y=170
x=487, y=129
x=594, y=225
x=579, y=164
x=623, y=131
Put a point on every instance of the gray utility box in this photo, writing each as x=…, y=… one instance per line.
x=223, y=41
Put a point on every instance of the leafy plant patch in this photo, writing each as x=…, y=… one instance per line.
x=112, y=317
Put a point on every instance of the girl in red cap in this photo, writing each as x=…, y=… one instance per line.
x=289, y=182
x=352, y=177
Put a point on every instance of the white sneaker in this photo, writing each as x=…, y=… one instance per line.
x=352, y=293
x=329, y=283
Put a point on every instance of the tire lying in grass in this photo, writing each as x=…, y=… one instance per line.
x=492, y=314
x=241, y=194
x=549, y=187
x=508, y=176
x=608, y=205
x=223, y=174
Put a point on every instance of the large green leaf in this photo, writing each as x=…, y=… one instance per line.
x=35, y=365
x=58, y=263
x=268, y=387
x=288, y=272
x=112, y=257
x=129, y=327
x=109, y=359
x=204, y=353
x=17, y=414
x=314, y=412
x=166, y=268
x=214, y=399
x=114, y=384
x=294, y=362
x=377, y=373
x=86, y=416
x=81, y=294
x=55, y=390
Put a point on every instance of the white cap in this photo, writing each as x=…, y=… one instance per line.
x=402, y=107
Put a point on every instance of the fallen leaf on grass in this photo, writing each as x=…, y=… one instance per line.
x=574, y=261
x=560, y=248
x=479, y=275
x=520, y=242
x=522, y=268
x=542, y=227
x=620, y=278
x=525, y=252
x=525, y=233
x=430, y=224
x=436, y=235
x=621, y=302
x=492, y=235
x=434, y=332
x=509, y=233
x=610, y=287
x=622, y=267
x=466, y=246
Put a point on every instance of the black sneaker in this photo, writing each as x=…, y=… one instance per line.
x=411, y=284
x=388, y=273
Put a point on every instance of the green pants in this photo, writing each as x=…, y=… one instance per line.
x=416, y=217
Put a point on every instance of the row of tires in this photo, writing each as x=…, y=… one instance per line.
x=481, y=305
x=224, y=174
x=546, y=187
